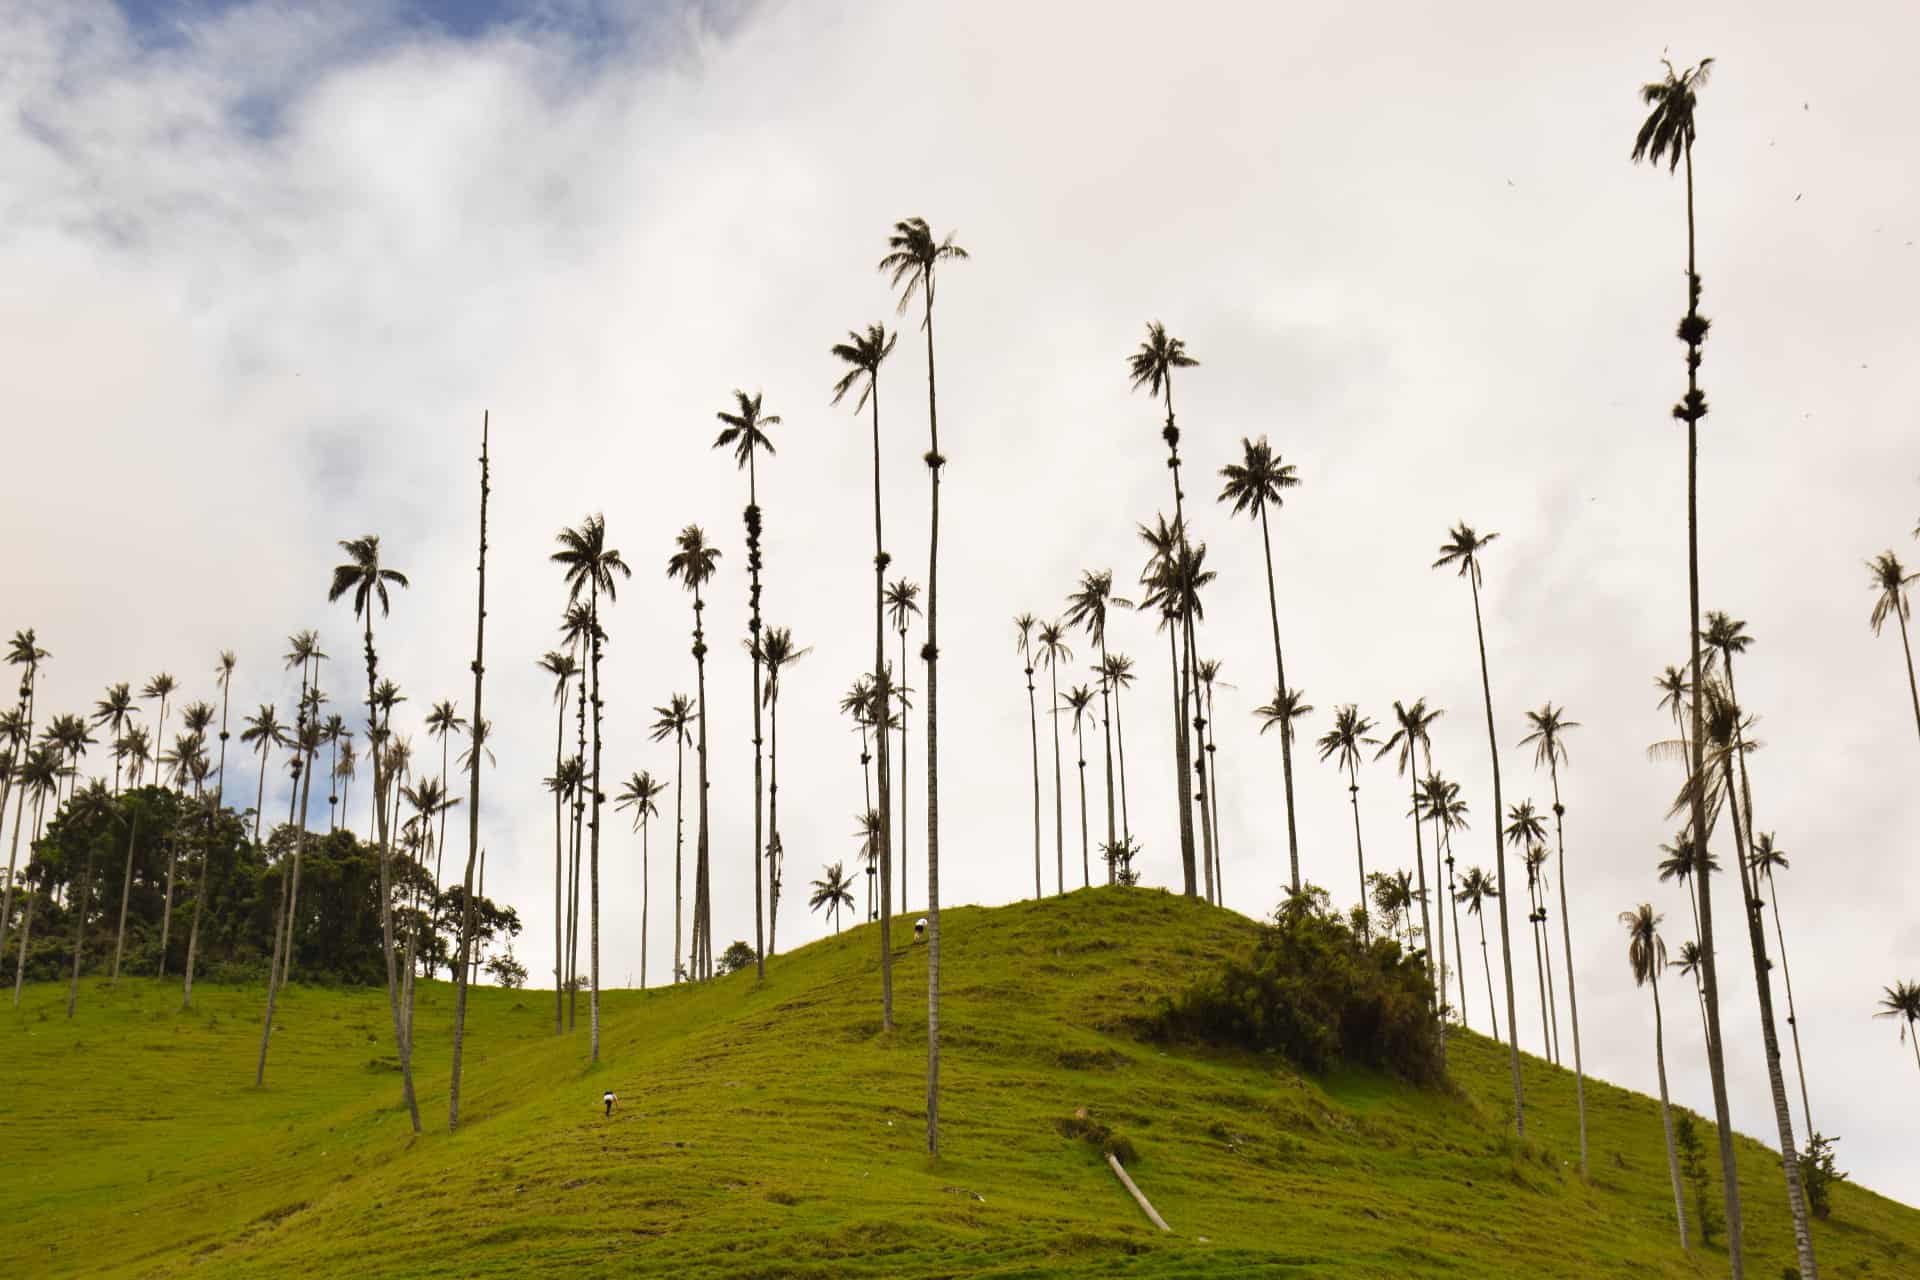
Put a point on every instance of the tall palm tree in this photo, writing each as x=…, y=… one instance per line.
x=903, y=604
x=779, y=652
x=569, y=787
x=444, y=722
x=911, y=260
x=265, y=734
x=345, y=769
x=1087, y=608
x=1525, y=831
x=1768, y=858
x=1689, y=964
x=22, y=651
x=863, y=354
x=1440, y=801
x=563, y=669
x=1646, y=957
x=832, y=893
x=368, y=580
x=1116, y=672
x=90, y=810
x=1535, y=862
x=1463, y=548
x=1253, y=485
x=578, y=628
x=1053, y=651
x=1668, y=133
x=857, y=703
x=334, y=732
x=594, y=569
x=1025, y=624
x=467, y=959
x=137, y=749
x=1151, y=366
x=1891, y=580
x=1549, y=728
x=693, y=565
x=223, y=672
x=1208, y=672
x=1179, y=576
x=1476, y=886
x=1079, y=702
x=303, y=651
x=639, y=794
x=1902, y=1000
x=674, y=721
x=1410, y=733
x=112, y=713
x=1347, y=740
x=162, y=688
x=745, y=433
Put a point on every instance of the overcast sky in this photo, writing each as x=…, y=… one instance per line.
x=262, y=268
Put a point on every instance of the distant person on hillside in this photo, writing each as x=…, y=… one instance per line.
x=612, y=1100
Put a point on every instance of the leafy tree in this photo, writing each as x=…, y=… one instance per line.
x=831, y=892
x=1693, y=1167
x=507, y=971
x=1347, y=740
x=736, y=957
x=1819, y=1172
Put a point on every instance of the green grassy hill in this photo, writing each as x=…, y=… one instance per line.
x=775, y=1130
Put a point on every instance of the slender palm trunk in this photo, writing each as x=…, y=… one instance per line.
x=260, y=790
x=1359, y=851
x=1666, y=1114
x=1120, y=745
x=774, y=854
x=1182, y=753
x=882, y=846
x=753, y=650
x=679, y=832
x=1566, y=938
x=1213, y=797
x=1710, y=981
x=1426, y=916
x=1782, y=1111
x=281, y=960
x=1033, y=738
x=1913, y=689
x=13, y=860
x=464, y=969
x=1086, y=865
x=166, y=909
x=206, y=849
x=1540, y=977
x=1106, y=729
x=1500, y=857
x=1280, y=675
x=26, y=926
x=646, y=886
x=559, y=916
x=703, y=904
x=903, y=773
x=1059, y=801
x=593, y=855
x=1198, y=754
x=934, y=463
x=126, y=891
x=1486, y=966
x=1553, y=997
x=1793, y=1022
x=402, y=1030
x=81, y=908
x=573, y=890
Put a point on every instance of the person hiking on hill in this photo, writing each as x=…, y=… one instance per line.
x=612, y=1100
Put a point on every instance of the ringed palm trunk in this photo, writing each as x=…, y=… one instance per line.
x=1500, y=860
x=1182, y=752
x=1553, y=998
x=80, y=909
x=679, y=772
x=1280, y=674
x=1213, y=798
x=1198, y=756
x=206, y=850
x=1913, y=689
x=1486, y=966
x=1710, y=981
x=1666, y=1114
x=882, y=701
x=1566, y=939
x=1782, y=1112
x=1033, y=736
x=1120, y=745
x=753, y=648
x=281, y=961
x=464, y=966
x=646, y=883
x=1426, y=918
x=1540, y=977
x=402, y=1032
x=1106, y=728
x=559, y=915
x=593, y=864
x=934, y=463
x=1059, y=803
x=260, y=790
x=904, y=825
x=126, y=891
x=703, y=903
x=1359, y=851
x=1086, y=866
x=773, y=841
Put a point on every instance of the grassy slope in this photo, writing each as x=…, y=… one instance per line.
x=776, y=1131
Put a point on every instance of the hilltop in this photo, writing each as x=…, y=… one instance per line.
x=775, y=1130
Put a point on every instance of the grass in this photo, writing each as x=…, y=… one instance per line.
x=776, y=1130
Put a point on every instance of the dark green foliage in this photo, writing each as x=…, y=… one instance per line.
x=1818, y=1174
x=1082, y=1125
x=507, y=971
x=740, y=955
x=1693, y=1168
x=1316, y=992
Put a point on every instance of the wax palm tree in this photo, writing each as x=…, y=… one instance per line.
x=1079, y=702
x=161, y=688
x=831, y=892
x=857, y=703
x=1646, y=957
x=594, y=569
x=1163, y=542
x=368, y=581
x=562, y=667
x=1179, y=579
x=137, y=748
x=1208, y=672
x=1902, y=1000
x=223, y=673
x=346, y=767
x=1053, y=651
x=566, y=783
x=1025, y=624
x=1689, y=964
x=913, y=255
x=334, y=731
x=1476, y=886
x=578, y=628
x=1254, y=484
x=639, y=794
x=1116, y=672
x=1463, y=549
x=263, y=732
x=674, y=721
x=22, y=651
x=444, y=722
x=745, y=433
x=1151, y=366
x=779, y=652
x=112, y=713
x=1087, y=607
x=1534, y=860
x=40, y=774
x=863, y=354
x=1347, y=740
x=1549, y=727
x=903, y=605
x=1439, y=800
x=1412, y=722
x=1768, y=858
x=1891, y=580
x=868, y=833
x=1668, y=133
x=693, y=565
x=190, y=762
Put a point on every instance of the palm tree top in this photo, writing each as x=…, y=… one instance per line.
x=364, y=575
x=693, y=563
x=1549, y=722
x=1890, y=579
x=1463, y=547
x=24, y=649
x=744, y=431
x=1053, y=644
x=589, y=564
x=161, y=686
x=1674, y=688
x=1413, y=721
x=1285, y=708
x=1646, y=953
x=1524, y=825
x=562, y=667
x=1152, y=364
x=228, y=660
x=1117, y=669
x=865, y=352
x=1902, y=1000
x=778, y=651
x=1078, y=700
x=302, y=647
x=638, y=794
x=264, y=724
x=1087, y=607
x=673, y=719
x=1348, y=737
x=1024, y=623
x=1476, y=886
x=477, y=742
x=902, y=601
x=1726, y=634
x=1255, y=482
x=445, y=718
x=912, y=255
x=1767, y=856
x=116, y=706
x=1668, y=129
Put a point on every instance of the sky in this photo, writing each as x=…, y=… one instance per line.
x=263, y=267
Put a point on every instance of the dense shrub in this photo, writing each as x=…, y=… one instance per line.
x=736, y=957
x=1818, y=1173
x=1314, y=991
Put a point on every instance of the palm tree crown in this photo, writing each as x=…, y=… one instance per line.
x=912, y=255
x=1890, y=579
x=1347, y=738
x=693, y=563
x=1254, y=483
x=1463, y=547
x=1646, y=952
x=864, y=352
x=589, y=564
x=745, y=430
x=1152, y=365
x=1668, y=130
x=364, y=575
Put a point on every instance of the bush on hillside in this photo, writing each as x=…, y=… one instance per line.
x=1318, y=993
x=738, y=956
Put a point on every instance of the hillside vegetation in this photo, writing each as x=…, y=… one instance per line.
x=775, y=1130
